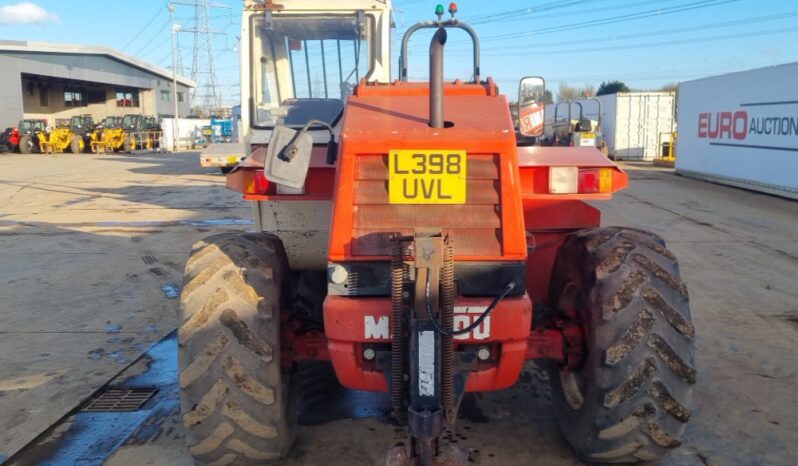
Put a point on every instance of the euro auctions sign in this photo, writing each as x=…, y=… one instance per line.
x=741, y=124
x=742, y=128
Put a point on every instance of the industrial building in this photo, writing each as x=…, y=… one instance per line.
x=57, y=81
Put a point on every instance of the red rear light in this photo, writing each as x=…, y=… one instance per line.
x=261, y=184
x=574, y=180
x=251, y=182
x=589, y=181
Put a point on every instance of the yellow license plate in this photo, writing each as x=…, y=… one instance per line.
x=427, y=176
x=232, y=159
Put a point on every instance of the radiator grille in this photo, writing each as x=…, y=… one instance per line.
x=474, y=227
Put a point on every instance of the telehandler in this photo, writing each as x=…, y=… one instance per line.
x=28, y=135
x=108, y=136
x=82, y=127
x=403, y=235
x=140, y=132
x=71, y=135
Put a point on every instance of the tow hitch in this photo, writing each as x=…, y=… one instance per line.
x=433, y=390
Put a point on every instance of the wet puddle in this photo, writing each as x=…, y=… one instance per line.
x=210, y=222
x=89, y=439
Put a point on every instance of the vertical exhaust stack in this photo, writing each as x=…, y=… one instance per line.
x=436, y=79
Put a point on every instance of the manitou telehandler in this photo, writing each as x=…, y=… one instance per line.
x=403, y=235
x=28, y=135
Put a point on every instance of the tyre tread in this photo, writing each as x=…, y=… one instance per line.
x=645, y=341
x=235, y=402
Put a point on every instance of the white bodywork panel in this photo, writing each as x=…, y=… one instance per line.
x=378, y=10
x=303, y=226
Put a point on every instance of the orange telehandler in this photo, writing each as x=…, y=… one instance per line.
x=402, y=235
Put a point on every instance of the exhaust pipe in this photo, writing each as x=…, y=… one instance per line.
x=436, y=79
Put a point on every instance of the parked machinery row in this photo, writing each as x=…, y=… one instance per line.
x=80, y=134
x=128, y=133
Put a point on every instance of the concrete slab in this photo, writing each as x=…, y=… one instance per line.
x=87, y=245
x=737, y=251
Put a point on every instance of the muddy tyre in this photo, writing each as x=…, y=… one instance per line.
x=236, y=402
x=630, y=399
x=26, y=145
x=74, y=145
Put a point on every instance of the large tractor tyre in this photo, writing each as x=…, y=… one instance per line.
x=26, y=145
x=630, y=397
x=76, y=145
x=236, y=402
x=128, y=146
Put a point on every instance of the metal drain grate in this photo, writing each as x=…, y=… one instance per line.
x=120, y=400
x=149, y=259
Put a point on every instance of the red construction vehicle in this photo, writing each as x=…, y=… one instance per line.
x=403, y=236
x=9, y=140
x=26, y=137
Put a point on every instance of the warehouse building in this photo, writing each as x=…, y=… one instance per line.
x=57, y=81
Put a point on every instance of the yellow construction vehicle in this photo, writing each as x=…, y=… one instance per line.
x=141, y=132
x=667, y=156
x=60, y=139
x=69, y=136
x=108, y=136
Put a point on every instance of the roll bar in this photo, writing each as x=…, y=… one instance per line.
x=450, y=23
x=570, y=104
x=581, y=111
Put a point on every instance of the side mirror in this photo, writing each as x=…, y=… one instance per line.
x=288, y=157
x=531, y=105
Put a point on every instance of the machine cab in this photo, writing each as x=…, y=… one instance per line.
x=302, y=59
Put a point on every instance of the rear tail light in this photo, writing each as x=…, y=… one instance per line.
x=573, y=180
x=563, y=180
x=257, y=183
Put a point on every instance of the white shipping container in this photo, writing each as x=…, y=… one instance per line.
x=742, y=129
x=633, y=124
x=189, y=130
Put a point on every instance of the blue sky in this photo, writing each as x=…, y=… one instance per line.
x=643, y=43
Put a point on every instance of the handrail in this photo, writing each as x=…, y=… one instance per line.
x=451, y=23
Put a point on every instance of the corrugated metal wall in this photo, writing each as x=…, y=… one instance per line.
x=88, y=68
x=10, y=92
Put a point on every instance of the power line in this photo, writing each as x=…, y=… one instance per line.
x=152, y=39
x=603, y=21
x=704, y=27
x=657, y=75
x=492, y=17
x=614, y=19
x=148, y=24
x=620, y=6
x=654, y=44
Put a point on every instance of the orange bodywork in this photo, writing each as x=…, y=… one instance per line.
x=510, y=216
x=346, y=320
x=380, y=118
